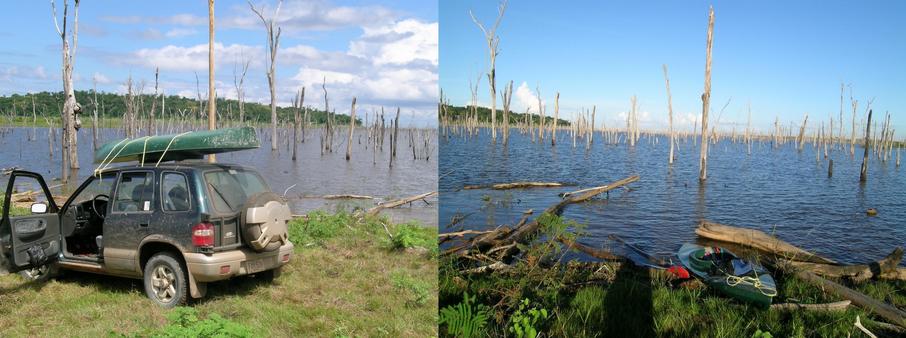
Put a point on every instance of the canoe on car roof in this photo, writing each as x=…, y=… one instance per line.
x=176, y=147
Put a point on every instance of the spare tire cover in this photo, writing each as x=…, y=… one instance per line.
x=264, y=221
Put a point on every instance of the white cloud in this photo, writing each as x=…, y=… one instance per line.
x=180, y=32
x=193, y=58
x=526, y=98
x=300, y=16
x=100, y=78
x=400, y=43
x=315, y=77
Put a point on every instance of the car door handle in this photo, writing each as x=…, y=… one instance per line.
x=143, y=224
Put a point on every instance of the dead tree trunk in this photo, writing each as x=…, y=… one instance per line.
x=238, y=82
x=273, y=42
x=706, y=101
x=71, y=123
x=212, y=94
x=670, y=115
x=556, y=119
x=297, y=105
x=507, y=98
x=493, y=41
x=395, y=136
x=351, y=130
x=94, y=124
x=863, y=173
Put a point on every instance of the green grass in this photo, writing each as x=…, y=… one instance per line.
x=345, y=279
x=611, y=300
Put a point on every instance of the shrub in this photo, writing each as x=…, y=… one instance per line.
x=464, y=320
x=185, y=322
x=419, y=291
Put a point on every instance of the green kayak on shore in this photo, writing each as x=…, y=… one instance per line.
x=176, y=147
x=721, y=269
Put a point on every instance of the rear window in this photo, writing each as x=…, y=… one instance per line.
x=230, y=188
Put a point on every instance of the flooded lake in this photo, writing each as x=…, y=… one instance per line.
x=308, y=179
x=781, y=191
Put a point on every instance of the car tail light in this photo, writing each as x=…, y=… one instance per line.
x=203, y=235
x=285, y=258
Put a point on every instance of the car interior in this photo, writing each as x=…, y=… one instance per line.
x=83, y=219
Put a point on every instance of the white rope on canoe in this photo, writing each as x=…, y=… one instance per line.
x=144, y=148
x=753, y=281
x=168, y=148
x=103, y=166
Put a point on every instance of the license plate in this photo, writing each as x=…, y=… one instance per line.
x=257, y=265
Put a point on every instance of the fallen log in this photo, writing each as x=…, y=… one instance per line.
x=886, y=268
x=514, y=185
x=857, y=272
x=758, y=240
x=835, y=306
x=884, y=310
x=393, y=204
x=346, y=197
x=596, y=253
x=524, y=232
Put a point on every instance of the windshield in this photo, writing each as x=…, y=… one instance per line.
x=229, y=189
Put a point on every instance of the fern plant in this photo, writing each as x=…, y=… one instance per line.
x=466, y=319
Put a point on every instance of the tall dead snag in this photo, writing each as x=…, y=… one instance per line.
x=238, y=81
x=556, y=119
x=507, y=98
x=863, y=174
x=395, y=136
x=212, y=95
x=94, y=124
x=151, y=130
x=493, y=41
x=71, y=109
x=351, y=130
x=670, y=116
x=297, y=106
x=541, y=116
x=800, y=141
x=706, y=101
x=273, y=42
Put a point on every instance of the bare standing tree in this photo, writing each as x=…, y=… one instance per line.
x=71, y=108
x=507, y=97
x=238, y=81
x=273, y=41
x=151, y=129
x=297, y=106
x=351, y=130
x=706, y=100
x=212, y=94
x=493, y=41
x=670, y=114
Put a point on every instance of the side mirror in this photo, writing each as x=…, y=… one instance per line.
x=38, y=208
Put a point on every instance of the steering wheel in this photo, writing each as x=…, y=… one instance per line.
x=94, y=206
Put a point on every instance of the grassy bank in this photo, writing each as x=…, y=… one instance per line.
x=346, y=279
x=541, y=293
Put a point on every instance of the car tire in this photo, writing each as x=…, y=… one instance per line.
x=165, y=280
x=41, y=274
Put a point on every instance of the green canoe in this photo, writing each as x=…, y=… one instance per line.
x=721, y=269
x=175, y=147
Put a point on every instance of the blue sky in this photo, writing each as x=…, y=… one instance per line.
x=383, y=52
x=786, y=58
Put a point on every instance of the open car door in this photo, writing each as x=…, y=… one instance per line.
x=29, y=238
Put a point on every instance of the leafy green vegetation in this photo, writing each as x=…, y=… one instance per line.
x=185, y=322
x=457, y=114
x=344, y=280
x=465, y=319
x=605, y=299
x=112, y=106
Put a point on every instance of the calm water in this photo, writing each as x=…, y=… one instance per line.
x=779, y=190
x=313, y=175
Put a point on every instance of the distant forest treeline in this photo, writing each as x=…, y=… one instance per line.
x=112, y=105
x=458, y=114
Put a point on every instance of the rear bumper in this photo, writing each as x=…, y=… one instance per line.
x=243, y=261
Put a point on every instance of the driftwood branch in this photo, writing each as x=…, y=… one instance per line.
x=346, y=197
x=514, y=185
x=758, y=240
x=393, y=204
x=835, y=306
x=857, y=272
